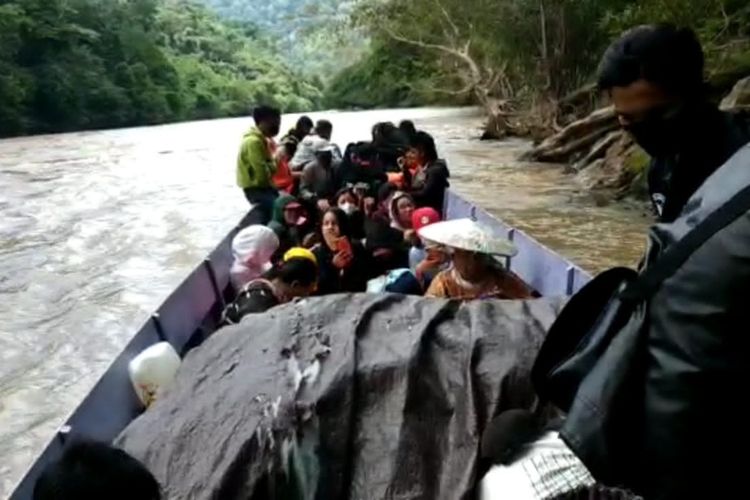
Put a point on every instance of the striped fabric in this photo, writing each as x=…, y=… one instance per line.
x=546, y=469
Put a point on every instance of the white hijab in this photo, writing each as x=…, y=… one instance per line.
x=393, y=210
x=252, y=249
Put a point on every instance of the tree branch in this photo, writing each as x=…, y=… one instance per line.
x=419, y=43
x=462, y=53
x=467, y=89
x=456, y=31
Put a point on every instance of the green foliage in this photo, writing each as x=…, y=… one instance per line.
x=74, y=64
x=722, y=25
x=382, y=80
x=312, y=36
x=532, y=50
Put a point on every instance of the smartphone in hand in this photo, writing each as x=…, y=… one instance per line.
x=344, y=246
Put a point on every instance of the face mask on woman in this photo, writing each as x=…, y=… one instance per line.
x=348, y=208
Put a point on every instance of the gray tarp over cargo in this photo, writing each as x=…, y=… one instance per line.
x=357, y=396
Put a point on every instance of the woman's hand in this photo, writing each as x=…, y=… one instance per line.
x=342, y=260
x=344, y=254
x=323, y=205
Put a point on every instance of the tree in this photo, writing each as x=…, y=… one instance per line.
x=72, y=64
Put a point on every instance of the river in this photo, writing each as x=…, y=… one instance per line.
x=96, y=228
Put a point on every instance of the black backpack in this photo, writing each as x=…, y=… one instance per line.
x=594, y=356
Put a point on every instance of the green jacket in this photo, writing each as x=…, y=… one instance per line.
x=255, y=165
x=278, y=208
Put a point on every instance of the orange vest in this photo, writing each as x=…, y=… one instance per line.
x=282, y=179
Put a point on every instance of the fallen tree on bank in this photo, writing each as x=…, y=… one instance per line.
x=575, y=138
x=606, y=158
x=503, y=56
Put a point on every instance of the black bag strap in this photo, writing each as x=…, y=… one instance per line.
x=679, y=252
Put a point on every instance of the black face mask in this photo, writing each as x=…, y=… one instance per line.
x=662, y=131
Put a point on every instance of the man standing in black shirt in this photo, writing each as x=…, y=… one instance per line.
x=654, y=75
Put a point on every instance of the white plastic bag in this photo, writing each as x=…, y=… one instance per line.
x=153, y=371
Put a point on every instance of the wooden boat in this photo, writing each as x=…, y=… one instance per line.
x=190, y=314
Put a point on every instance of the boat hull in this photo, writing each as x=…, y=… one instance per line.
x=192, y=311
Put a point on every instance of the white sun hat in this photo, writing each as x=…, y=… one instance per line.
x=467, y=234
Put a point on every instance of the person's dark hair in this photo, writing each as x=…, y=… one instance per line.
x=383, y=132
x=408, y=128
x=264, y=113
x=426, y=144
x=95, y=471
x=662, y=54
x=344, y=190
x=304, y=122
x=297, y=269
x=323, y=126
x=341, y=218
x=380, y=235
x=385, y=190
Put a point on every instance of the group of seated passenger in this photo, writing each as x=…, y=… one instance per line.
x=369, y=220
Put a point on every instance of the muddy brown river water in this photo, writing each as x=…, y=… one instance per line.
x=96, y=228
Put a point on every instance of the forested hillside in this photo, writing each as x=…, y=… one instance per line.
x=313, y=36
x=84, y=64
x=282, y=17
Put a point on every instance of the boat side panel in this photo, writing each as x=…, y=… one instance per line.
x=221, y=261
x=546, y=271
x=186, y=309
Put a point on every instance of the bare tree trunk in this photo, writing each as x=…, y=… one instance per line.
x=545, y=46
x=576, y=138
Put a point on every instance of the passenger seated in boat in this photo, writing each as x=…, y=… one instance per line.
x=291, y=140
x=408, y=130
x=474, y=272
x=319, y=140
x=296, y=276
x=252, y=248
x=389, y=258
x=426, y=259
x=381, y=208
x=428, y=184
x=291, y=223
x=389, y=145
x=343, y=262
x=360, y=166
x=411, y=166
x=385, y=247
x=400, y=210
x=284, y=180
x=96, y=471
x=349, y=203
x=318, y=179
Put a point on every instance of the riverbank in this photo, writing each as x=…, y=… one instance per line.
x=604, y=160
